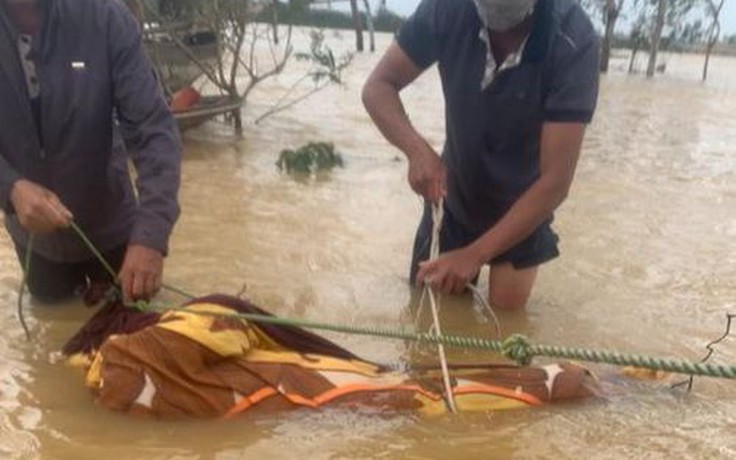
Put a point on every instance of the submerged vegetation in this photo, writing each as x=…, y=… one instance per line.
x=324, y=69
x=244, y=50
x=310, y=158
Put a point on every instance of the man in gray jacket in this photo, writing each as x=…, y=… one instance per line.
x=77, y=95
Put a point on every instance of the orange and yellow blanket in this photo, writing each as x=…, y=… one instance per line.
x=198, y=362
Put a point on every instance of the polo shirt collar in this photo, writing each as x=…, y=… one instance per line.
x=539, y=40
x=492, y=67
x=533, y=49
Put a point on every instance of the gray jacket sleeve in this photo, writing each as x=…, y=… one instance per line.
x=150, y=131
x=8, y=177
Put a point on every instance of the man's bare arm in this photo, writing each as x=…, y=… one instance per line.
x=381, y=98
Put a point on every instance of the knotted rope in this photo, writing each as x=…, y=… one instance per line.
x=517, y=347
x=434, y=303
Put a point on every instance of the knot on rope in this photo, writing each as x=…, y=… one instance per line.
x=140, y=305
x=517, y=348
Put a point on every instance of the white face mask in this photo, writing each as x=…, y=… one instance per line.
x=502, y=15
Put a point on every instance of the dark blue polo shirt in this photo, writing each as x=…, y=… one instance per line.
x=493, y=135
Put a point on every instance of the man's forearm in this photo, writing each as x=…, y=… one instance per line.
x=534, y=207
x=381, y=98
x=560, y=149
x=383, y=103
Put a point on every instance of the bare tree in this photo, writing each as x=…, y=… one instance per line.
x=358, y=25
x=714, y=31
x=656, y=39
x=246, y=53
x=638, y=37
x=611, y=13
x=371, y=28
x=670, y=14
x=238, y=37
x=275, y=20
x=325, y=69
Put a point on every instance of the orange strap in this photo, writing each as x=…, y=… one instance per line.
x=499, y=391
x=264, y=393
x=249, y=401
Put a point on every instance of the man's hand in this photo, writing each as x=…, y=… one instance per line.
x=451, y=272
x=39, y=210
x=427, y=174
x=142, y=273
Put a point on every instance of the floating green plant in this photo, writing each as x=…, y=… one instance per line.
x=310, y=158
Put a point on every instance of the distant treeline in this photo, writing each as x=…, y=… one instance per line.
x=727, y=47
x=302, y=15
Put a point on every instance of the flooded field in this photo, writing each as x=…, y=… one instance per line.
x=648, y=241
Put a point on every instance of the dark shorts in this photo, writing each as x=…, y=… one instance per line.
x=50, y=281
x=538, y=248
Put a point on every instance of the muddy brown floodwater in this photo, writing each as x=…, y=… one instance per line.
x=648, y=265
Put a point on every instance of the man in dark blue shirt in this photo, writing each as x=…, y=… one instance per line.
x=520, y=81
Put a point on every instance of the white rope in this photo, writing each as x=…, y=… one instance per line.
x=434, y=302
x=484, y=302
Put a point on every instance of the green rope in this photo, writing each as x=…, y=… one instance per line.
x=23, y=283
x=176, y=290
x=96, y=252
x=516, y=347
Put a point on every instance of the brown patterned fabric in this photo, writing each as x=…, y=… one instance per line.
x=288, y=336
x=196, y=363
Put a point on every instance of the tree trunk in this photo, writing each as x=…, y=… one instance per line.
x=656, y=37
x=611, y=14
x=708, y=51
x=275, y=21
x=633, y=58
x=714, y=33
x=358, y=25
x=371, y=29
x=238, y=121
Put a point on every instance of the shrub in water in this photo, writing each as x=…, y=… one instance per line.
x=310, y=158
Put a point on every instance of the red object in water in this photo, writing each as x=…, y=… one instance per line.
x=184, y=99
